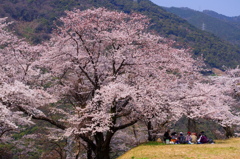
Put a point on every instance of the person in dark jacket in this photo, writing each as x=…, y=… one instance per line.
x=167, y=136
x=203, y=138
x=181, y=138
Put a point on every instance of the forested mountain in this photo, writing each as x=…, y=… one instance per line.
x=233, y=20
x=227, y=28
x=35, y=19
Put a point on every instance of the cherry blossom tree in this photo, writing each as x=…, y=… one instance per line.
x=111, y=73
x=229, y=83
x=212, y=98
x=17, y=92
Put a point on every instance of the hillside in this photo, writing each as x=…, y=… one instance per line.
x=233, y=20
x=35, y=21
x=227, y=28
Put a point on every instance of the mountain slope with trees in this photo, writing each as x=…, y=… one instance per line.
x=35, y=20
x=233, y=20
x=227, y=28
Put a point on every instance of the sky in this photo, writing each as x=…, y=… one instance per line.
x=226, y=7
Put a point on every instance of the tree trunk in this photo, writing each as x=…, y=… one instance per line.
x=89, y=152
x=229, y=132
x=103, y=152
x=100, y=144
x=191, y=125
x=150, y=129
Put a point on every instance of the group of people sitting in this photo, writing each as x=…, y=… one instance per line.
x=190, y=138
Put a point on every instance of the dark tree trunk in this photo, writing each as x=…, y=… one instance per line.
x=100, y=143
x=103, y=152
x=150, y=129
x=229, y=132
x=191, y=125
x=89, y=152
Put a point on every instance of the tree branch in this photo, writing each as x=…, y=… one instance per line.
x=124, y=126
x=75, y=42
x=121, y=65
x=59, y=125
x=88, y=77
x=87, y=140
x=4, y=131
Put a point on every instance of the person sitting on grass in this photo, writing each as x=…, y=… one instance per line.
x=202, y=139
x=188, y=138
x=174, y=138
x=167, y=136
x=181, y=138
x=194, y=138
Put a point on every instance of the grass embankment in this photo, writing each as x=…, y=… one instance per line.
x=222, y=149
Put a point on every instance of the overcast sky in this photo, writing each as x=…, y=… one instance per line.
x=225, y=7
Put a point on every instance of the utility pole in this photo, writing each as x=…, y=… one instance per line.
x=203, y=26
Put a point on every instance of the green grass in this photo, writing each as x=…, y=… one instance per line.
x=222, y=149
x=153, y=143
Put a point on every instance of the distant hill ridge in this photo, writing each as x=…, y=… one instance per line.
x=234, y=19
x=227, y=28
x=35, y=21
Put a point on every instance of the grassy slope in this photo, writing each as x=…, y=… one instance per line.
x=223, y=149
